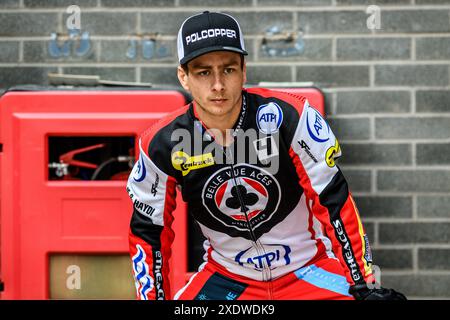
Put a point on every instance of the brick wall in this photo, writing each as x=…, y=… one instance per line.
x=387, y=93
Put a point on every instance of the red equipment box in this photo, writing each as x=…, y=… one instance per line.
x=42, y=215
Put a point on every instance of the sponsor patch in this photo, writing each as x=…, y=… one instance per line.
x=220, y=287
x=183, y=162
x=140, y=172
x=332, y=154
x=144, y=282
x=307, y=149
x=269, y=118
x=318, y=128
x=276, y=253
x=249, y=189
x=368, y=252
x=210, y=33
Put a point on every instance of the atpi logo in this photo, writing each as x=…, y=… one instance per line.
x=276, y=254
x=318, y=128
x=269, y=118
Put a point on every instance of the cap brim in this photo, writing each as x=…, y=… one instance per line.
x=202, y=51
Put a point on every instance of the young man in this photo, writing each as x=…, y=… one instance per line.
x=257, y=169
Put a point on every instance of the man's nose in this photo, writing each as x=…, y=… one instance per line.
x=218, y=84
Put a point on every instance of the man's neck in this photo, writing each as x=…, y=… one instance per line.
x=220, y=126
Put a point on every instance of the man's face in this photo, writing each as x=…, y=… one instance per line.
x=215, y=81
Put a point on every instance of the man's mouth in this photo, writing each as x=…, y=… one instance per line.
x=218, y=100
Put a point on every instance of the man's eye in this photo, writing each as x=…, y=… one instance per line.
x=229, y=70
x=203, y=73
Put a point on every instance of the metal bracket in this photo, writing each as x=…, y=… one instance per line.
x=282, y=44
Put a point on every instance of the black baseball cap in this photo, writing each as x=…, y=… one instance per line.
x=207, y=32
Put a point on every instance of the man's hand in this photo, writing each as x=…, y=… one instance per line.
x=362, y=292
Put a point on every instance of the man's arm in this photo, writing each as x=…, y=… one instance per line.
x=313, y=151
x=153, y=195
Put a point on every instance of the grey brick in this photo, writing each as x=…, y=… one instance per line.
x=28, y=24
x=358, y=180
x=212, y=3
x=414, y=180
x=369, y=2
x=11, y=76
x=433, y=206
x=249, y=47
x=113, y=74
x=434, y=259
x=415, y=21
x=355, y=102
x=156, y=22
x=332, y=22
x=59, y=3
x=108, y=23
x=433, y=101
x=411, y=75
x=376, y=154
x=116, y=51
x=328, y=96
x=294, y=3
x=427, y=2
x=256, y=74
x=257, y=23
x=412, y=128
x=374, y=49
x=433, y=153
x=137, y=3
x=418, y=285
x=350, y=129
x=433, y=48
x=384, y=207
x=419, y=232
x=250, y=22
x=37, y=51
x=9, y=51
x=314, y=50
x=158, y=75
x=334, y=76
x=392, y=259
x=9, y=4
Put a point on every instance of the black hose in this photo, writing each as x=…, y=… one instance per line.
x=102, y=166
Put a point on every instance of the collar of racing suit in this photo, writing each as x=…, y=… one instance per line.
x=239, y=124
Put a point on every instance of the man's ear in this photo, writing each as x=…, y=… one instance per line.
x=183, y=78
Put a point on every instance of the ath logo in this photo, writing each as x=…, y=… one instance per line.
x=269, y=118
x=183, y=162
x=277, y=253
x=318, y=128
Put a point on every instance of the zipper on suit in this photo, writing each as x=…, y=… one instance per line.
x=266, y=271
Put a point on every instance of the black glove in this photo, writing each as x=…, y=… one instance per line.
x=362, y=292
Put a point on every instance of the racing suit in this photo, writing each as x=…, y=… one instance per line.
x=271, y=205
